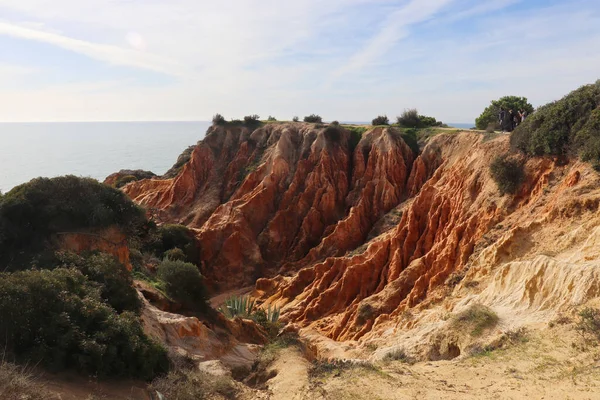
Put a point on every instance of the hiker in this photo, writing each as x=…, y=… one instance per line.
x=523, y=115
x=502, y=118
x=511, y=120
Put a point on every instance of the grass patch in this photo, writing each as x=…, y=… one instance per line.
x=477, y=318
x=399, y=355
x=16, y=383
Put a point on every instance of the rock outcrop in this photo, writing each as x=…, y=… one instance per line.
x=350, y=238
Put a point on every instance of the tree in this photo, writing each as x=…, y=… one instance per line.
x=296, y=119
x=313, y=118
x=409, y=118
x=271, y=118
x=218, y=119
x=490, y=114
x=380, y=120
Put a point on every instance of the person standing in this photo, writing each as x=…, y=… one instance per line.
x=511, y=120
x=502, y=118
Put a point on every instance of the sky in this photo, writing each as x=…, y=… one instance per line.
x=347, y=60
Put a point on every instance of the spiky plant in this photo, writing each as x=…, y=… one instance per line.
x=273, y=314
x=238, y=306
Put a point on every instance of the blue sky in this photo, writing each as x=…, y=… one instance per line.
x=96, y=60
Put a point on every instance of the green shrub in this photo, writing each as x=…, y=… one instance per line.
x=175, y=254
x=356, y=133
x=271, y=118
x=409, y=118
x=410, y=138
x=380, y=120
x=295, y=119
x=365, y=313
x=477, y=317
x=58, y=317
x=333, y=133
x=568, y=126
x=508, y=174
x=171, y=236
x=183, y=159
x=116, y=283
x=314, y=118
x=33, y=213
x=218, y=119
x=589, y=324
x=268, y=319
x=183, y=283
x=124, y=180
x=490, y=114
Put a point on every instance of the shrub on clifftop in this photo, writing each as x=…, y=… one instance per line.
x=381, y=120
x=507, y=173
x=314, y=118
x=183, y=283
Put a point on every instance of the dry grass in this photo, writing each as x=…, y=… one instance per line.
x=478, y=318
x=16, y=383
x=194, y=385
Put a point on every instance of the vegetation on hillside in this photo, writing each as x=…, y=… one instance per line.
x=171, y=236
x=489, y=116
x=313, y=118
x=183, y=283
x=508, y=173
x=410, y=118
x=58, y=317
x=183, y=158
x=567, y=126
x=380, y=120
x=32, y=214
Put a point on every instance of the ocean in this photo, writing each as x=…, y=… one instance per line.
x=91, y=149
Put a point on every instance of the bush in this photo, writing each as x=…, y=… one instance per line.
x=508, y=174
x=175, y=254
x=238, y=306
x=365, y=312
x=570, y=125
x=356, y=133
x=272, y=119
x=490, y=114
x=410, y=138
x=380, y=120
x=116, y=283
x=124, y=180
x=589, y=324
x=314, y=118
x=295, y=119
x=218, y=119
x=478, y=318
x=33, y=213
x=333, y=133
x=409, y=118
x=58, y=317
x=171, y=236
x=181, y=161
x=183, y=283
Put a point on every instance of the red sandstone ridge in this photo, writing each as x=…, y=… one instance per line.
x=284, y=195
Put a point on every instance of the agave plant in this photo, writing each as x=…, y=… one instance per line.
x=238, y=306
x=273, y=314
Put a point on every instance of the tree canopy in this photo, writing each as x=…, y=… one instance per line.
x=490, y=114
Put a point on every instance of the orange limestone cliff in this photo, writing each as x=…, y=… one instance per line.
x=282, y=196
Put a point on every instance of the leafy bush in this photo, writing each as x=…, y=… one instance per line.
x=333, y=133
x=478, y=318
x=183, y=283
x=124, y=180
x=490, y=114
x=410, y=138
x=116, y=283
x=356, y=133
x=171, y=236
x=508, y=174
x=32, y=213
x=409, y=118
x=268, y=319
x=570, y=125
x=271, y=118
x=313, y=118
x=58, y=317
x=365, y=312
x=295, y=119
x=218, y=119
x=589, y=324
x=175, y=254
x=380, y=120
